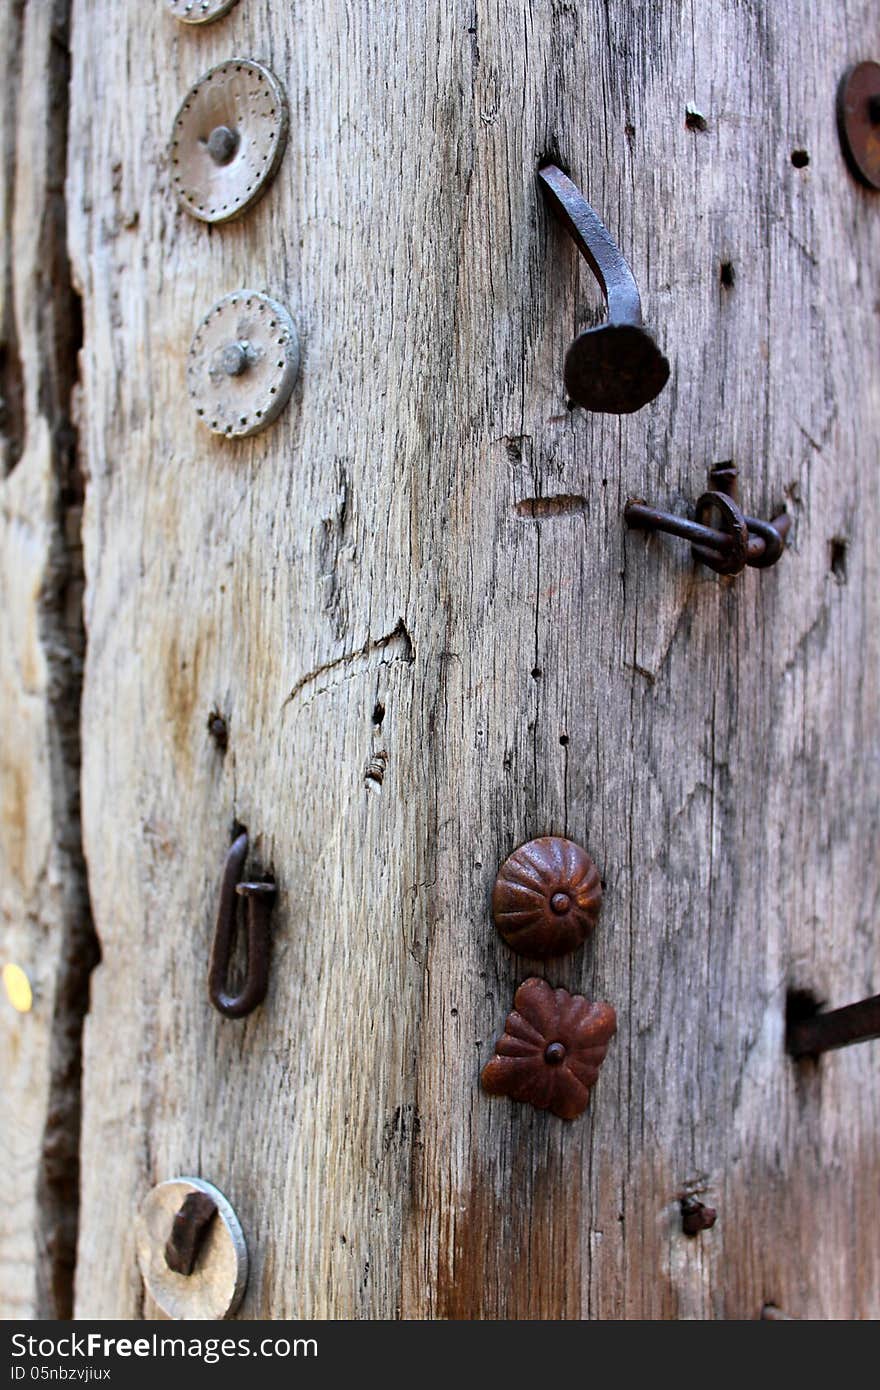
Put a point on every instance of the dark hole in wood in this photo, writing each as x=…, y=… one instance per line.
x=837, y=558
x=728, y=275
x=800, y=159
x=695, y=120
x=800, y=1004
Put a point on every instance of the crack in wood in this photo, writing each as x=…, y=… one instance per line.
x=397, y=645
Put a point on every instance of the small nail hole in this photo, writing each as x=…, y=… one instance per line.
x=563, y=739
x=728, y=275
x=837, y=547
x=378, y=713
x=800, y=159
x=694, y=119
x=218, y=729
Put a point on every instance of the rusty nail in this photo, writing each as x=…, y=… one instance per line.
x=740, y=541
x=188, y=1231
x=696, y=1217
x=823, y=1032
x=724, y=477
x=259, y=906
x=617, y=367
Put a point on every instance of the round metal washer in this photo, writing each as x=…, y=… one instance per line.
x=243, y=363
x=245, y=98
x=199, y=11
x=858, y=121
x=217, y=1284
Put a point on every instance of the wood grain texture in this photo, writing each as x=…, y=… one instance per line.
x=421, y=666
x=44, y=919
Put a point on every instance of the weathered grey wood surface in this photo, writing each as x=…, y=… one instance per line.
x=44, y=921
x=357, y=591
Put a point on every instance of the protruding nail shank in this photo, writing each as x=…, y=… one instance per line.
x=188, y=1232
x=824, y=1032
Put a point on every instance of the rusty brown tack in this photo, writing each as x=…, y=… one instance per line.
x=823, y=1032
x=188, y=1231
x=546, y=897
x=696, y=1217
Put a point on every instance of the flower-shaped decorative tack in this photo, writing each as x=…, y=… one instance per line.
x=547, y=897
x=553, y=1046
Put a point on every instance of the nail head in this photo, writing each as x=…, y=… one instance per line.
x=546, y=897
x=858, y=114
x=222, y=144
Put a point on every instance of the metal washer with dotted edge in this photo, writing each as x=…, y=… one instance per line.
x=243, y=364
x=228, y=139
x=200, y=11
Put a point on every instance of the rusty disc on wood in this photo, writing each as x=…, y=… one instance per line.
x=547, y=897
x=243, y=364
x=228, y=139
x=217, y=1283
x=858, y=121
x=199, y=11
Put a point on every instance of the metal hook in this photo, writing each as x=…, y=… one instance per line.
x=259, y=906
x=618, y=367
x=740, y=541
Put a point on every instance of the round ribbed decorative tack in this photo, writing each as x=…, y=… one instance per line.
x=547, y=897
x=199, y=11
x=216, y=1284
x=243, y=363
x=228, y=139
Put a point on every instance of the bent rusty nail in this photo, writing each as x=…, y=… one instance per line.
x=259, y=907
x=617, y=367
